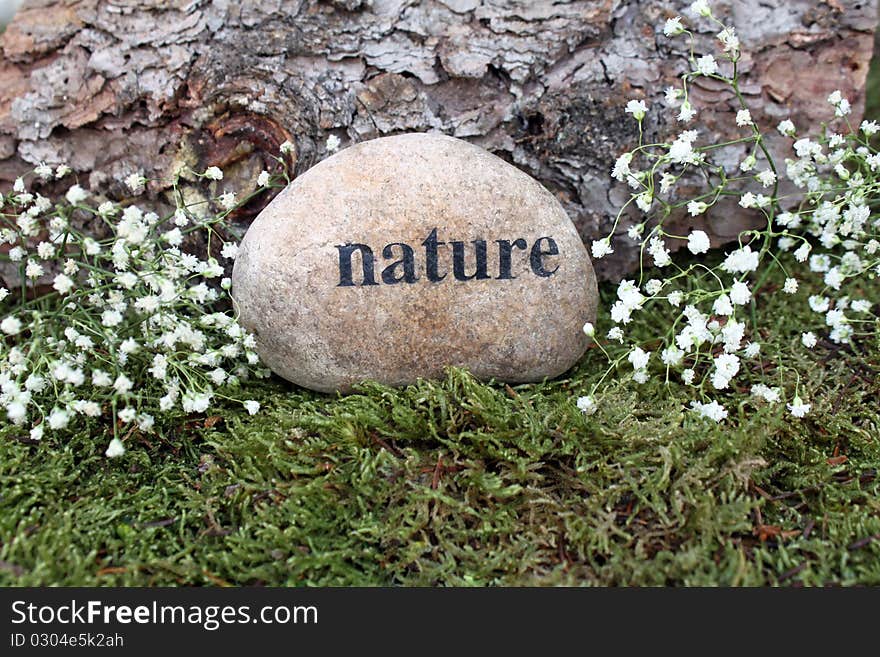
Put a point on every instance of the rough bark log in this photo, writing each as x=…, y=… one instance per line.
x=113, y=87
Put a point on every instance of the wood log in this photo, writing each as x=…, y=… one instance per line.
x=113, y=87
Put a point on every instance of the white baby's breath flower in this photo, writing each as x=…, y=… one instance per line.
x=287, y=147
x=635, y=231
x=111, y=318
x=227, y=200
x=698, y=242
x=673, y=26
x=211, y=269
x=790, y=286
x=696, y=208
x=135, y=182
x=174, y=237
x=766, y=177
x=711, y=410
x=700, y=8
x=229, y=251
x=101, y=379
x=834, y=278
x=129, y=346
x=841, y=104
x=16, y=410
x=145, y=422
x=748, y=163
x=91, y=247
x=638, y=358
x=123, y=384
x=58, y=419
x=63, y=283
x=218, y=376
x=33, y=270
x=107, y=209
x=332, y=144
x=768, y=394
x=213, y=173
x=653, y=286
x=707, y=65
x=686, y=112
x=818, y=303
x=740, y=293
x=861, y=306
x=722, y=305
x=601, y=248
x=870, y=128
x=45, y=250
x=672, y=96
x=644, y=200
x=621, y=170
x=798, y=408
x=76, y=195
x=658, y=251
x=786, y=128
x=730, y=42
x=115, y=449
x=743, y=118
x=263, y=178
x=741, y=261
x=666, y=182
x=672, y=356
x=637, y=108
x=252, y=406
x=10, y=325
x=586, y=404
x=682, y=150
x=43, y=171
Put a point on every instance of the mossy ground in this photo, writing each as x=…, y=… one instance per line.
x=458, y=483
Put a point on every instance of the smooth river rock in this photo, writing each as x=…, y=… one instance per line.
x=398, y=257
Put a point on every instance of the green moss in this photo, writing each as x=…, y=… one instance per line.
x=462, y=483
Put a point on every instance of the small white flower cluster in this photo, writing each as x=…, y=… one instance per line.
x=132, y=326
x=830, y=225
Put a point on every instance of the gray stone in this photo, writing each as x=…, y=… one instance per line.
x=324, y=320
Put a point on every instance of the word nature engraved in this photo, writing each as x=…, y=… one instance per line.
x=403, y=268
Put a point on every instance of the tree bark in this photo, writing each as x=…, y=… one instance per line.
x=122, y=86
